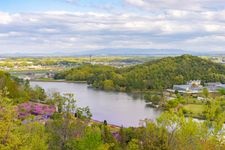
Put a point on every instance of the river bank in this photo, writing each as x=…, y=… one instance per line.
x=117, y=108
x=135, y=94
x=53, y=80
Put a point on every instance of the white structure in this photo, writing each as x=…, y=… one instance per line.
x=195, y=86
x=191, y=87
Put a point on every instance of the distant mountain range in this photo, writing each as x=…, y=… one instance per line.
x=133, y=52
x=116, y=52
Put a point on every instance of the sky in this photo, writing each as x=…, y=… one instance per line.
x=48, y=26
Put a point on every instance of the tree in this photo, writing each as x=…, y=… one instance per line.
x=155, y=75
x=108, y=137
x=134, y=145
x=38, y=94
x=34, y=136
x=221, y=91
x=65, y=127
x=108, y=85
x=14, y=134
x=8, y=123
x=205, y=92
x=91, y=140
x=58, y=101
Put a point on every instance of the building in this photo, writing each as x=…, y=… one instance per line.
x=214, y=86
x=194, y=87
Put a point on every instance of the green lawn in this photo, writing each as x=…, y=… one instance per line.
x=194, y=108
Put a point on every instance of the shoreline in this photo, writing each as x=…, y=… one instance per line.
x=101, y=122
x=66, y=81
x=200, y=118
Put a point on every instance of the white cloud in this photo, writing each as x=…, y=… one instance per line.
x=77, y=31
x=196, y=5
x=48, y=30
x=5, y=18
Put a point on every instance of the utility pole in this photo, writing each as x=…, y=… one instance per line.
x=90, y=59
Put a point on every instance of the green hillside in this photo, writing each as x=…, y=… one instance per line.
x=18, y=90
x=158, y=74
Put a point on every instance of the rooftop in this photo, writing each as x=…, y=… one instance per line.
x=196, y=87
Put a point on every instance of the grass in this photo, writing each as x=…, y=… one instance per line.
x=194, y=108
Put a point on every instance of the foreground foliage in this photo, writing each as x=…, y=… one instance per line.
x=64, y=131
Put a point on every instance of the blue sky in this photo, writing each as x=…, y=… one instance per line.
x=52, y=5
x=34, y=26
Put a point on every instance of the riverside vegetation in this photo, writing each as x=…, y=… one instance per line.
x=154, y=75
x=152, y=79
x=66, y=131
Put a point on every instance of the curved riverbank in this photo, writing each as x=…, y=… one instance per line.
x=117, y=108
x=52, y=80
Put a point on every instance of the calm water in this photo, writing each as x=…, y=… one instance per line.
x=115, y=107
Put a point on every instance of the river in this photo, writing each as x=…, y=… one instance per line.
x=117, y=108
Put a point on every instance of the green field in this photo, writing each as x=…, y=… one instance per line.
x=194, y=108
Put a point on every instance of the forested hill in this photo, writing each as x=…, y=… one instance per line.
x=158, y=74
x=165, y=72
x=18, y=90
x=12, y=87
